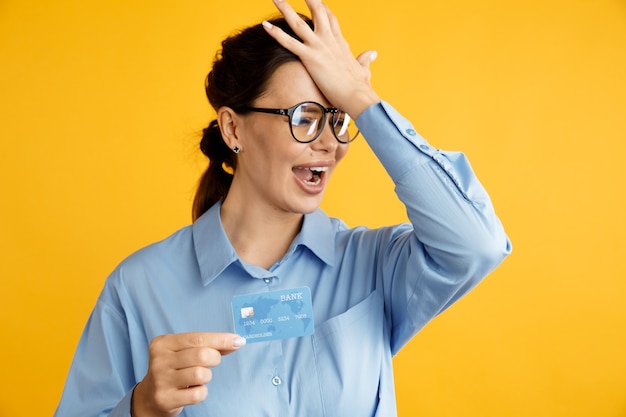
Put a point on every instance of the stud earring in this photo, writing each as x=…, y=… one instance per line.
x=236, y=149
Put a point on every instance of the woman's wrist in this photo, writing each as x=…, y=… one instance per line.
x=360, y=101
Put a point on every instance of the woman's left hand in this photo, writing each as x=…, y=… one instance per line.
x=343, y=79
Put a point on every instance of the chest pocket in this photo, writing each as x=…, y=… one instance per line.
x=348, y=351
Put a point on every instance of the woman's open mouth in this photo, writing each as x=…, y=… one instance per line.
x=310, y=175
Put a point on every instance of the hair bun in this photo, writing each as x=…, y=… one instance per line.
x=212, y=144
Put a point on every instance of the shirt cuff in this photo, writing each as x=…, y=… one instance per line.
x=393, y=139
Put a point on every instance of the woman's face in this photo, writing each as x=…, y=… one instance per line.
x=273, y=168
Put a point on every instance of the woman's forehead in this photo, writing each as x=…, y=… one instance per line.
x=290, y=84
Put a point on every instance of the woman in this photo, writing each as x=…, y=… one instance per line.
x=161, y=340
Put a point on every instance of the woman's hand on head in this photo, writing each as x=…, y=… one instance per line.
x=178, y=370
x=343, y=79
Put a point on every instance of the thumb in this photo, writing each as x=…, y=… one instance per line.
x=366, y=58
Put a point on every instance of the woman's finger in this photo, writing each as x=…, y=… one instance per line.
x=197, y=356
x=319, y=15
x=173, y=400
x=285, y=40
x=223, y=342
x=191, y=377
x=294, y=20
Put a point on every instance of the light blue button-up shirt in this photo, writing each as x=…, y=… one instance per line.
x=372, y=290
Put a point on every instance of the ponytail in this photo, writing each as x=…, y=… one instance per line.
x=215, y=182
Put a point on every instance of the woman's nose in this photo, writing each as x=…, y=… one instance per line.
x=326, y=140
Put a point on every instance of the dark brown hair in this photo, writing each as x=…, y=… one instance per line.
x=240, y=73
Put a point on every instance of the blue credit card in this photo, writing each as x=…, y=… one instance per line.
x=274, y=315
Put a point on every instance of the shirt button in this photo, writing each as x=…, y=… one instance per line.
x=276, y=381
x=411, y=132
x=267, y=280
x=424, y=147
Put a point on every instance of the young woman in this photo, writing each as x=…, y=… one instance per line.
x=165, y=337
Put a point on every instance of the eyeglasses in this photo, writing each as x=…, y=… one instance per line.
x=307, y=121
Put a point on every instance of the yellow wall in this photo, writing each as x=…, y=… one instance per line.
x=101, y=103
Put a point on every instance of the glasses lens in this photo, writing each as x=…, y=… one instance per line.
x=344, y=127
x=306, y=121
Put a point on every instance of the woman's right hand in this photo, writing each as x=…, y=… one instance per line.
x=343, y=79
x=178, y=369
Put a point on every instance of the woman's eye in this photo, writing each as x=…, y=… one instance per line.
x=304, y=121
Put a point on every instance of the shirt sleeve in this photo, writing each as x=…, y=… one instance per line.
x=102, y=371
x=455, y=238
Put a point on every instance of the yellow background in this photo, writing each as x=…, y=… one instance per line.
x=101, y=106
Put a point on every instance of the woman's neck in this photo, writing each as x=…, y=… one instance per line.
x=260, y=235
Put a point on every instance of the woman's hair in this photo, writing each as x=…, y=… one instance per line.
x=240, y=73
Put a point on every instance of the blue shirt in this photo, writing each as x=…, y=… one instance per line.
x=372, y=290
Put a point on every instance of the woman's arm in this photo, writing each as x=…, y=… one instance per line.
x=456, y=238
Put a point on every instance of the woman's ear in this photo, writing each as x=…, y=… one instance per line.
x=229, y=123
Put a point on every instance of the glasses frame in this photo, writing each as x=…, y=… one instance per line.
x=289, y=113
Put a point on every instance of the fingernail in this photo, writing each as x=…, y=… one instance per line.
x=267, y=24
x=373, y=56
x=239, y=341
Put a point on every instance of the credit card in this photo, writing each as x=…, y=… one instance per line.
x=274, y=315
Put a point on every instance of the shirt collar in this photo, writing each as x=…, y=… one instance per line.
x=215, y=252
x=318, y=234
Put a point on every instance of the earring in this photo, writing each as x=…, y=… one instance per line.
x=236, y=149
